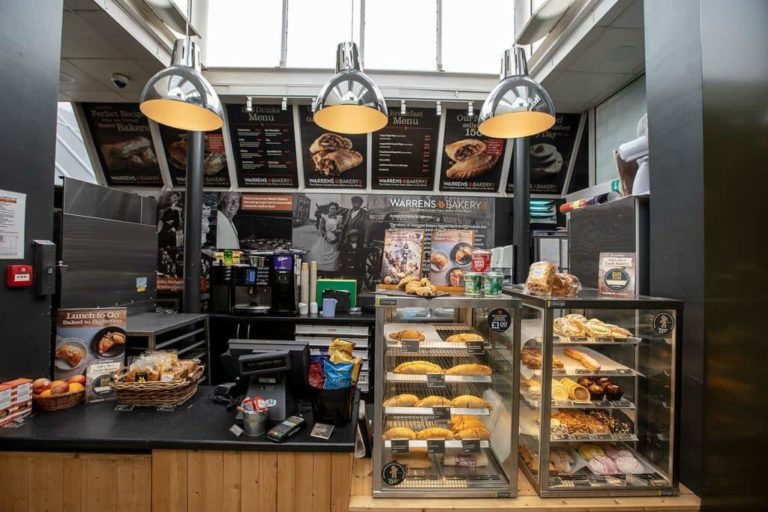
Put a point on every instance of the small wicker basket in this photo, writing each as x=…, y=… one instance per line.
x=155, y=394
x=59, y=402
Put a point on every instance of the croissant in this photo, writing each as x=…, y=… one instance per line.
x=435, y=433
x=470, y=369
x=470, y=402
x=463, y=337
x=399, y=433
x=330, y=142
x=418, y=368
x=433, y=400
x=463, y=149
x=404, y=400
x=407, y=334
x=473, y=433
x=336, y=162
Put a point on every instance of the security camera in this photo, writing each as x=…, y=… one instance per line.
x=120, y=81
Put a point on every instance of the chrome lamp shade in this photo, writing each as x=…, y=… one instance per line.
x=518, y=106
x=350, y=102
x=180, y=96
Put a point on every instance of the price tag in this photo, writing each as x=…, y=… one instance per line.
x=604, y=339
x=470, y=446
x=441, y=412
x=475, y=348
x=499, y=320
x=602, y=404
x=597, y=479
x=582, y=371
x=410, y=346
x=555, y=481
x=558, y=436
x=235, y=429
x=581, y=437
x=436, y=380
x=124, y=407
x=166, y=408
x=435, y=446
x=400, y=446
x=582, y=483
x=624, y=371
x=578, y=339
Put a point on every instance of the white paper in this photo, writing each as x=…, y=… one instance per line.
x=12, y=211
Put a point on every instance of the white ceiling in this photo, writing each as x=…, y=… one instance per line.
x=93, y=47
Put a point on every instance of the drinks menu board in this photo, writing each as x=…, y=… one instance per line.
x=121, y=136
x=550, y=155
x=331, y=160
x=471, y=161
x=264, y=146
x=215, y=172
x=404, y=152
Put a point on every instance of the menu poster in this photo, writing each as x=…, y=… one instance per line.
x=403, y=250
x=450, y=256
x=121, y=136
x=331, y=160
x=264, y=146
x=471, y=161
x=404, y=151
x=550, y=156
x=215, y=172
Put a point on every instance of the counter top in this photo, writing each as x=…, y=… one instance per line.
x=151, y=323
x=341, y=318
x=198, y=424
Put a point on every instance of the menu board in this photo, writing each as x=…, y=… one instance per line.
x=264, y=146
x=471, y=161
x=215, y=172
x=331, y=160
x=403, y=152
x=550, y=154
x=121, y=136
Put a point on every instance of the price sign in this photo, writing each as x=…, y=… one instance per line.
x=435, y=446
x=579, y=339
x=604, y=339
x=410, y=346
x=624, y=371
x=435, y=380
x=441, y=413
x=499, y=320
x=470, y=446
x=475, y=348
x=400, y=446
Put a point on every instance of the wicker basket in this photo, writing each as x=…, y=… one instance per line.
x=59, y=402
x=155, y=394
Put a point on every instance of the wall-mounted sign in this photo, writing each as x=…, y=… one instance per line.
x=264, y=146
x=331, y=160
x=403, y=153
x=471, y=161
x=121, y=136
x=550, y=156
x=215, y=173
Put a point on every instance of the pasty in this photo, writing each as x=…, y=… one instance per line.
x=464, y=149
x=334, y=163
x=330, y=142
x=618, y=332
x=470, y=369
x=438, y=260
x=471, y=167
x=404, y=400
x=470, y=402
x=418, y=368
x=467, y=422
x=473, y=433
x=435, y=433
x=463, y=337
x=72, y=354
x=434, y=401
x=109, y=340
x=399, y=433
x=407, y=334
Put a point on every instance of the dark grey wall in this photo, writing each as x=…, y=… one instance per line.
x=707, y=93
x=30, y=47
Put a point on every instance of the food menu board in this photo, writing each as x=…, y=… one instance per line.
x=264, y=146
x=403, y=152
x=121, y=136
x=471, y=162
x=550, y=155
x=331, y=160
x=215, y=172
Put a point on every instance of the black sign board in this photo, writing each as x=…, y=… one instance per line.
x=435, y=380
x=264, y=146
x=410, y=346
x=393, y=473
x=331, y=160
x=550, y=154
x=121, y=136
x=403, y=153
x=470, y=446
x=471, y=162
x=475, y=347
x=435, y=446
x=499, y=320
x=215, y=172
x=441, y=412
x=400, y=446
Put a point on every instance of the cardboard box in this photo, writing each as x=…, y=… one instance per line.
x=15, y=400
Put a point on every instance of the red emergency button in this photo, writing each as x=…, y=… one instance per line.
x=18, y=276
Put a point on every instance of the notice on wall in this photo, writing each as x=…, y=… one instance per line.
x=331, y=160
x=122, y=139
x=550, y=155
x=403, y=152
x=471, y=162
x=12, y=215
x=215, y=173
x=264, y=146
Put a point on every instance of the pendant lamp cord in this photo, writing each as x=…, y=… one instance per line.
x=352, y=23
x=189, y=18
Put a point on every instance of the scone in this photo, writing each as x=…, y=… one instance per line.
x=472, y=369
x=418, y=368
x=464, y=337
x=470, y=402
x=435, y=433
x=404, y=400
x=399, y=433
x=434, y=401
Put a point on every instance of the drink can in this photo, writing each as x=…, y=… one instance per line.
x=481, y=261
x=493, y=283
x=473, y=284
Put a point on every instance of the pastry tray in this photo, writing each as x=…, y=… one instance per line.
x=422, y=390
x=572, y=404
x=449, y=379
x=449, y=443
x=566, y=341
x=530, y=427
x=572, y=367
x=434, y=334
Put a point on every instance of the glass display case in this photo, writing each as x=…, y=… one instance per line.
x=599, y=394
x=446, y=393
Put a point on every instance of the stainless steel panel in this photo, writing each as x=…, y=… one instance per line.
x=103, y=258
x=81, y=198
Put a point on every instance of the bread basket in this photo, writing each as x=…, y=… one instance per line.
x=59, y=402
x=156, y=393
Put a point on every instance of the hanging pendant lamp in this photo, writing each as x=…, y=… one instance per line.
x=518, y=106
x=350, y=102
x=179, y=95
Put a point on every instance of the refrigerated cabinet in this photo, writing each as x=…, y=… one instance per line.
x=599, y=394
x=445, y=421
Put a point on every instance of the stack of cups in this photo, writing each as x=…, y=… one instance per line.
x=482, y=280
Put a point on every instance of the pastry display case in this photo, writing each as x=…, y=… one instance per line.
x=599, y=394
x=446, y=393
